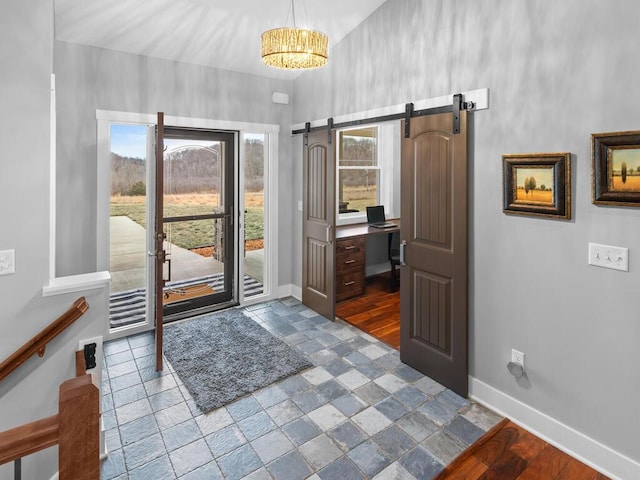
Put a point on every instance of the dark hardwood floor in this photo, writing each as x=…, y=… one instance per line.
x=509, y=452
x=377, y=312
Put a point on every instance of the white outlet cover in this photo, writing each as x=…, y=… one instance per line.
x=517, y=357
x=7, y=262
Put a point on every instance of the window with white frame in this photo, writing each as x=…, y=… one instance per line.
x=367, y=165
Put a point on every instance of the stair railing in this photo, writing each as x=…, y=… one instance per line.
x=38, y=344
x=76, y=426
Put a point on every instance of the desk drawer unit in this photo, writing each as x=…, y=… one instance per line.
x=350, y=268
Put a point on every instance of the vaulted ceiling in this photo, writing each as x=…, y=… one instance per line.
x=217, y=33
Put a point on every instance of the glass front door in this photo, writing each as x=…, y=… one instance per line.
x=198, y=214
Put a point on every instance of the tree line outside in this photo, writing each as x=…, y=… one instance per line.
x=193, y=177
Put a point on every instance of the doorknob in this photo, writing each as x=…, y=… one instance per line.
x=403, y=253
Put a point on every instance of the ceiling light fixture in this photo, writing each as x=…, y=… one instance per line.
x=294, y=48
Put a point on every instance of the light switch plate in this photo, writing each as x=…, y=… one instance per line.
x=7, y=262
x=608, y=256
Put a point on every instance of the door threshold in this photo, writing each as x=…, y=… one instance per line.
x=199, y=311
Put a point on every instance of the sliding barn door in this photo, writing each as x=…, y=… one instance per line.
x=318, y=258
x=433, y=318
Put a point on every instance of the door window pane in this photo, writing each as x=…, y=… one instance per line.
x=197, y=208
x=127, y=225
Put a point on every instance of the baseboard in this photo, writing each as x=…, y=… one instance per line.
x=589, y=451
x=290, y=290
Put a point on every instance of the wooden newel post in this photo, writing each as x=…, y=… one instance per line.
x=79, y=430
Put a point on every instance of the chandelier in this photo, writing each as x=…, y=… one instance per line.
x=294, y=48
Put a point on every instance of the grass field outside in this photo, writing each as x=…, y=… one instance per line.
x=360, y=197
x=197, y=233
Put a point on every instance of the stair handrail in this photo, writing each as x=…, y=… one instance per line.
x=39, y=342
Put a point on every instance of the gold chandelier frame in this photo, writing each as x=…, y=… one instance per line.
x=294, y=48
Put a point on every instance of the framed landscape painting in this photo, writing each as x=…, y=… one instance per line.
x=615, y=174
x=537, y=184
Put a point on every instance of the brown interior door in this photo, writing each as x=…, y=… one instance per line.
x=318, y=226
x=433, y=298
x=159, y=252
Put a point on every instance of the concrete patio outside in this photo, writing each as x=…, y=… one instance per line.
x=129, y=257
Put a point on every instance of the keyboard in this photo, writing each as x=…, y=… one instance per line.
x=382, y=225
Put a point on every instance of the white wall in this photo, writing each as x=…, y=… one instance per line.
x=31, y=392
x=557, y=72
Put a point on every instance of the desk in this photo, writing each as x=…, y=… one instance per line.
x=351, y=258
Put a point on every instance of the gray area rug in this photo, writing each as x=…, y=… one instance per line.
x=223, y=356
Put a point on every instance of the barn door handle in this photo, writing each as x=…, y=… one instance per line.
x=403, y=253
x=329, y=234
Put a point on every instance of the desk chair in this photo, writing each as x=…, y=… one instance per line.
x=394, y=260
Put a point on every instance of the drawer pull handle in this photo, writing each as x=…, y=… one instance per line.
x=349, y=261
x=350, y=247
x=347, y=284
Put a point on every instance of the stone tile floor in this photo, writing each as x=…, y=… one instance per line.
x=359, y=413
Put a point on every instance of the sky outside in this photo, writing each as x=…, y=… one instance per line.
x=130, y=140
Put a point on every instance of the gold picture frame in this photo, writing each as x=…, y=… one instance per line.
x=615, y=172
x=537, y=184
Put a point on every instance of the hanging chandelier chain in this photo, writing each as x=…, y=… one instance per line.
x=293, y=12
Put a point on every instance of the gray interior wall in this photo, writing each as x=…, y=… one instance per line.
x=31, y=391
x=557, y=72
x=90, y=79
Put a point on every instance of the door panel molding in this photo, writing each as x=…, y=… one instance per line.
x=434, y=326
x=433, y=205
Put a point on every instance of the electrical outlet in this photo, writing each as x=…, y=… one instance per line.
x=90, y=356
x=7, y=262
x=92, y=348
x=517, y=357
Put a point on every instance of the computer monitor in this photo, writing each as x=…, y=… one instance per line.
x=375, y=215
